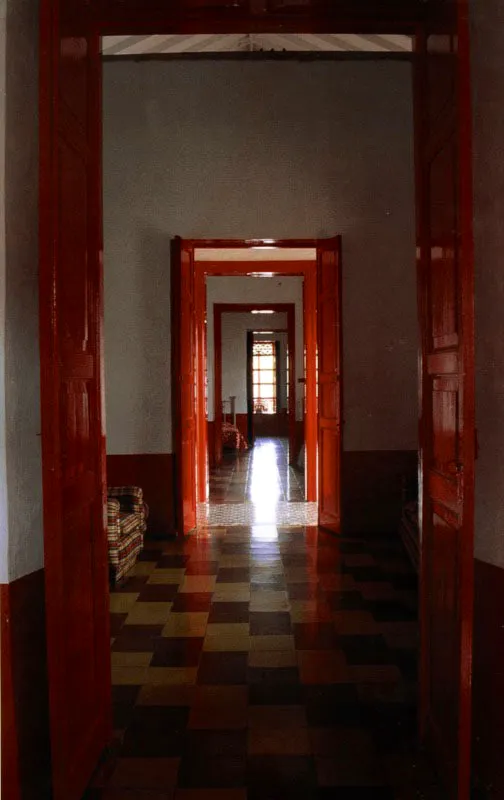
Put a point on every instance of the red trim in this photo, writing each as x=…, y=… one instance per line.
x=244, y=244
x=368, y=16
x=201, y=409
x=329, y=348
x=217, y=386
x=223, y=268
x=10, y=776
x=308, y=269
x=70, y=135
x=311, y=423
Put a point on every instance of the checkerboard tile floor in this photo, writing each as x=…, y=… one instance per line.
x=265, y=663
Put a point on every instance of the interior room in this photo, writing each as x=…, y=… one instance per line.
x=145, y=652
x=356, y=194
x=228, y=593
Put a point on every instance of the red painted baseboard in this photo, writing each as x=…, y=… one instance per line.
x=26, y=762
x=154, y=473
x=488, y=678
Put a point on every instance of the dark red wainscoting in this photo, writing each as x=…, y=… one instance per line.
x=26, y=764
x=488, y=678
x=271, y=424
x=371, y=488
x=154, y=473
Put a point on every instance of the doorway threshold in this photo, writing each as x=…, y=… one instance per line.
x=217, y=515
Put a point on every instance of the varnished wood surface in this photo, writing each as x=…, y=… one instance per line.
x=447, y=438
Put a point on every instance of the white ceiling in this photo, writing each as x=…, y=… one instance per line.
x=253, y=43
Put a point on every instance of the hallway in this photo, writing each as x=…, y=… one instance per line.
x=265, y=662
x=257, y=487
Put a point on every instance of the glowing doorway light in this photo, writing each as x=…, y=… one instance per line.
x=265, y=489
x=264, y=533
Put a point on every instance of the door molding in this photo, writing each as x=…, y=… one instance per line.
x=308, y=269
x=304, y=268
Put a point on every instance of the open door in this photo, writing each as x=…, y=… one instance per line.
x=329, y=383
x=201, y=378
x=447, y=434
x=73, y=439
x=250, y=388
x=184, y=389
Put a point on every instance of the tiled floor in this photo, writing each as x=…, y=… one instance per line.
x=265, y=663
x=257, y=487
x=258, y=475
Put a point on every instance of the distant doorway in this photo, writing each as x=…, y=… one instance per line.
x=319, y=263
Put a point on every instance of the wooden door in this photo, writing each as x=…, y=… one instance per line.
x=329, y=383
x=447, y=436
x=73, y=441
x=291, y=360
x=250, y=388
x=184, y=390
x=218, y=418
x=201, y=383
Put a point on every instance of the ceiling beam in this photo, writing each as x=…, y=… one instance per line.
x=130, y=17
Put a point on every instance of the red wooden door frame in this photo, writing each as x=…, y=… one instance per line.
x=256, y=16
x=330, y=383
x=228, y=308
x=185, y=383
x=201, y=377
x=306, y=269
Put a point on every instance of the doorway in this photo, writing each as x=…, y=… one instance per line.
x=318, y=263
x=71, y=391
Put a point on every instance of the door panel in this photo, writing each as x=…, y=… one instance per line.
x=445, y=270
x=250, y=389
x=184, y=390
x=201, y=372
x=329, y=383
x=76, y=555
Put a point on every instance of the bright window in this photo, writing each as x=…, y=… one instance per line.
x=264, y=377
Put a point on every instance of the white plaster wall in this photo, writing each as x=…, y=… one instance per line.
x=488, y=112
x=4, y=525
x=255, y=290
x=20, y=455
x=261, y=149
x=234, y=351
